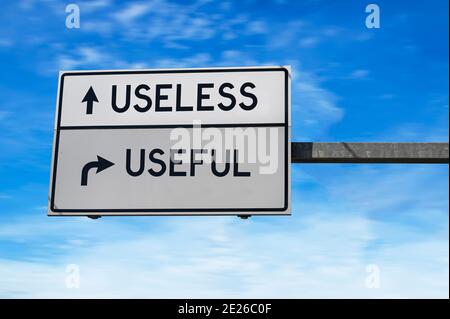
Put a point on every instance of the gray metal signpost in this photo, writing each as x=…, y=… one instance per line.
x=370, y=153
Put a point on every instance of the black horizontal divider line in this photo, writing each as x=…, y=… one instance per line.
x=110, y=127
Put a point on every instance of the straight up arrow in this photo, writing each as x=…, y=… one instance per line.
x=89, y=98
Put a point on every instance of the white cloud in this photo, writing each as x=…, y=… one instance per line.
x=93, y=5
x=24, y=134
x=203, y=258
x=309, y=42
x=172, y=23
x=238, y=58
x=197, y=60
x=101, y=27
x=289, y=32
x=132, y=12
x=257, y=27
x=165, y=21
x=317, y=107
x=359, y=74
x=320, y=252
x=320, y=256
x=84, y=56
x=94, y=58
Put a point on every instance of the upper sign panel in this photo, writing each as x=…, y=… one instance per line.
x=174, y=97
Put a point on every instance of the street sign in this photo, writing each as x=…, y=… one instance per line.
x=172, y=142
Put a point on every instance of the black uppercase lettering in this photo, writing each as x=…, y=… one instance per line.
x=227, y=95
x=114, y=99
x=194, y=160
x=236, y=166
x=214, y=166
x=157, y=161
x=249, y=95
x=139, y=95
x=162, y=97
x=174, y=162
x=141, y=163
x=178, y=106
x=201, y=96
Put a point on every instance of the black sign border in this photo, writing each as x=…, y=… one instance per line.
x=174, y=211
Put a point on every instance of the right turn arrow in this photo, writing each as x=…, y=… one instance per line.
x=101, y=164
x=89, y=98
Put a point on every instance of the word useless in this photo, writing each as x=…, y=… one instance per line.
x=232, y=97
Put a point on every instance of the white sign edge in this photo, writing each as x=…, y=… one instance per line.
x=287, y=210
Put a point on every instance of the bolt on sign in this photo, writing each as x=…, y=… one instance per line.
x=172, y=142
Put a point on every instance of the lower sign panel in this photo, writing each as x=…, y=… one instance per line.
x=167, y=171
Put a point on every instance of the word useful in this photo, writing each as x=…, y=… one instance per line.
x=242, y=97
x=173, y=168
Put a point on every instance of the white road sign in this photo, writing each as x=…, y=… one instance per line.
x=172, y=142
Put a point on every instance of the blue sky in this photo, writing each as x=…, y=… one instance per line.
x=349, y=83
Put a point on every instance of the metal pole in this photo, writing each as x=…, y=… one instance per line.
x=342, y=152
